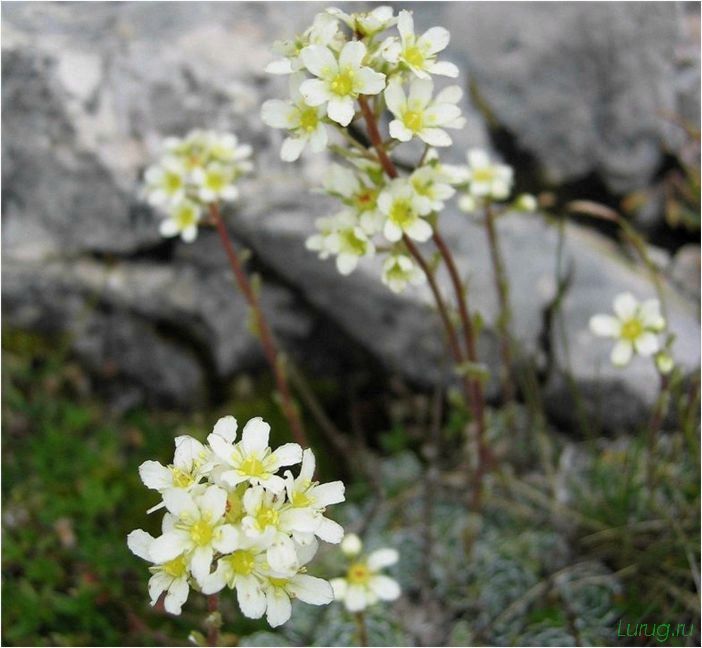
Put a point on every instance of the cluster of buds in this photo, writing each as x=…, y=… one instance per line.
x=232, y=521
x=341, y=61
x=637, y=328
x=194, y=172
x=363, y=584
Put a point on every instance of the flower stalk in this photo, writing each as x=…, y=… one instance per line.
x=263, y=330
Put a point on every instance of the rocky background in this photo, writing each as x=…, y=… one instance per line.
x=579, y=97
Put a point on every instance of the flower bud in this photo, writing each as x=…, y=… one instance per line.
x=526, y=203
x=351, y=545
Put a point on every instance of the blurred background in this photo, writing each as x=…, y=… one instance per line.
x=115, y=340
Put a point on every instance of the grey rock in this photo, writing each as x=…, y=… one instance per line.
x=585, y=88
x=684, y=270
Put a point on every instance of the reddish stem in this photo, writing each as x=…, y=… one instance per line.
x=270, y=349
x=213, y=629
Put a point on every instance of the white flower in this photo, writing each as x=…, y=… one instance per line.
x=303, y=493
x=417, y=115
x=487, y=179
x=635, y=327
x=433, y=182
x=244, y=570
x=325, y=242
x=279, y=591
x=526, y=202
x=467, y=203
x=363, y=585
x=216, y=182
x=357, y=192
x=324, y=31
x=351, y=545
x=199, y=530
x=340, y=81
x=403, y=209
x=305, y=123
x=399, y=270
x=182, y=219
x=251, y=459
x=170, y=576
x=166, y=182
x=367, y=23
x=419, y=53
x=267, y=514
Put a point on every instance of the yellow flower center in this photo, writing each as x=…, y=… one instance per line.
x=201, y=533
x=300, y=499
x=396, y=272
x=266, y=516
x=484, y=174
x=172, y=181
x=235, y=509
x=176, y=567
x=252, y=466
x=401, y=213
x=342, y=84
x=215, y=180
x=358, y=574
x=413, y=120
x=186, y=216
x=181, y=479
x=278, y=582
x=242, y=562
x=353, y=243
x=366, y=199
x=414, y=57
x=309, y=119
x=631, y=330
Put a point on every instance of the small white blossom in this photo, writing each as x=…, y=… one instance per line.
x=279, y=591
x=526, y=203
x=417, y=115
x=340, y=81
x=635, y=326
x=433, y=182
x=403, y=209
x=358, y=192
x=366, y=23
x=251, y=460
x=364, y=585
x=216, y=182
x=487, y=179
x=170, y=577
x=419, y=53
x=166, y=182
x=305, y=123
x=351, y=545
x=182, y=219
x=399, y=270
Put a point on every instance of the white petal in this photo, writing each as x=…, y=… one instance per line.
x=326, y=494
x=168, y=228
x=420, y=93
x=279, y=607
x=278, y=114
x=330, y=531
x=315, y=92
x=155, y=476
x=340, y=110
x=299, y=519
x=442, y=114
x=346, y=263
x=368, y=82
x=392, y=232
x=646, y=344
x=292, y=148
x=288, y=454
x=651, y=315
x=435, y=137
x=252, y=600
x=450, y=95
x=139, y=542
x=477, y=158
x=168, y=546
x=311, y=590
x=254, y=438
x=226, y=427
x=229, y=539
x=180, y=503
x=177, y=595
x=625, y=306
x=200, y=563
x=434, y=39
x=282, y=556
x=281, y=66
x=189, y=234
x=319, y=60
x=385, y=588
x=352, y=54
x=339, y=587
x=274, y=484
x=355, y=599
x=395, y=97
x=420, y=230
x=308, y=465
x=158, y=584
x=221, y=447
x=319, y=139
x=399, y=131
x=444, y=68
x=621, y=353
x=382, y=558
x=605, y=326
x=215, y=581
x=405, y=24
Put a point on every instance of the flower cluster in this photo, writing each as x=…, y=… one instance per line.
x=232, y=521
x=195, y=171
x=340, y=61
x=636, y=327
x=364, y=585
